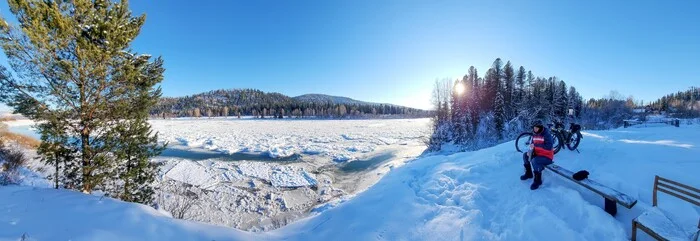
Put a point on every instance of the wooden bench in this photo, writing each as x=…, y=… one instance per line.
x=655, y=223
x=612, y=197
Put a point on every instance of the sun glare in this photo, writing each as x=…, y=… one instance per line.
x=459, y=89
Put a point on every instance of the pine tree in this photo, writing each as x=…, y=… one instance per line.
x=520, y=89
x=74, y=62
x=561, y=101
x=529, y=89
x=509, y=81
x=499, y=115
x=135, y=145
x=53, y=142
x=457, y=117
x=474, y=104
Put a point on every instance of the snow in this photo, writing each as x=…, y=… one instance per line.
x=278, y=176
x=463, y=196
x=49, y=214
x=192, y=173
x=344, y=140
x=659, y=142
x=657, y=221
x=22, y=122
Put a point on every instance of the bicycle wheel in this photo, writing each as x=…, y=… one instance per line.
x=522, y=143
x=556, y=142
x=574, y=141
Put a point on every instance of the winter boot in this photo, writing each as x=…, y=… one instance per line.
x=537, y=182
x=528, y=172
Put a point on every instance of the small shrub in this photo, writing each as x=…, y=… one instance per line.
x=12, y=161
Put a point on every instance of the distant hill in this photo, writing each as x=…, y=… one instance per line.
x=253, y=102
x=321, y=98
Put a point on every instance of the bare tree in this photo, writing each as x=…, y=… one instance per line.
x=441, y=92
x=224, y=111
x=178, y=197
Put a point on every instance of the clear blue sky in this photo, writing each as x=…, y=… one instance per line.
x=392, y=50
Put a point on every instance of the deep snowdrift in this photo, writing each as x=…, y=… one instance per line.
x=467, y=196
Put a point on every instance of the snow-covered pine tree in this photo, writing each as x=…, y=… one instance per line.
x=499, y=114
x=509, y=91
x=539, y=100
x=466, y=109
x=575, y=102
x=550, y=87
x=134, y=145
x=58, y=154
x=474, y=100
x=494, y=79
x=529, y=89
x=456, y=114
x=489, y=90
x=74, y=61
x=520, y=89
x=561, y=102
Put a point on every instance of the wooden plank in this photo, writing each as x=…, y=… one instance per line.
x=676, y=195
x=650, y=232
x=656, y=183
x=600, y=189
x=679, y=184
x=678, y=190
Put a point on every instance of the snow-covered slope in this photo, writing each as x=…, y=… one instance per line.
x=464, y=196
x=49, y=214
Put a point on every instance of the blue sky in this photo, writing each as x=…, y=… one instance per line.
x=393, y=50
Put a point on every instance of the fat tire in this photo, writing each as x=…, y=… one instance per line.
x=574, y=143
x=560, y=142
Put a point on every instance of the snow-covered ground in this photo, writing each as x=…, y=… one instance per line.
x=464, y=196
x=342, y=140
x=259, y=175
x=303, y=165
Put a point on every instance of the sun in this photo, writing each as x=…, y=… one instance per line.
x=459, y=88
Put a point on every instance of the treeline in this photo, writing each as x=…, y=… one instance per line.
x=607, y=112
x=251, y=102
x=683, y=104
x=476, y=112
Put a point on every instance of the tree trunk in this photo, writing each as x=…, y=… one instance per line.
x=87, y=169
x=125, y=195
x=56, y=174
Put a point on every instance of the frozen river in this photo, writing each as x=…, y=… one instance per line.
x=259, y=175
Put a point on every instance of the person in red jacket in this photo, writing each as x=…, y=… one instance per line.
x=542, y=155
